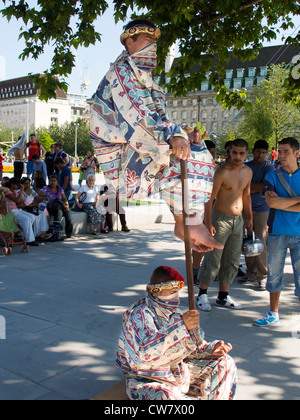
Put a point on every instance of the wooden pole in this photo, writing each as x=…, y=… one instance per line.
x=188, y=246
x=187, y=235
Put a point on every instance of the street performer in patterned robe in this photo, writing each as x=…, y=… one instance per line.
x=138, y=147
x=158, y=350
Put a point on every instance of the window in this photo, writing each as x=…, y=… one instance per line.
x=174, y=115
x=54, y=120
x=194, y=115
x=54, y=111
x=184, y=102
x=225, y=113
x=240, y=72
x=260, y=79
x=264, y=71
x=204, y=86
x=251, y=71
x=229, y=74
x=204, y=115
x=183, y=115
x=215, y=114
x=237, y=83
x=249, y=82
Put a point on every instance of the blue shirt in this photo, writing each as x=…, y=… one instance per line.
x=282, y=222
x=259, y=173
x=63, y=173
x=40, y=166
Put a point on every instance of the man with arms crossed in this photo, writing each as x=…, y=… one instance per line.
x=284, y=225
x=224, y=220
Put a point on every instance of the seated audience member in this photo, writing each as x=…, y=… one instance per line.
x=53, y=195
x=38, y=181
x=31, y=201
x=4, y=181
x=88, y=200
x=160, y=355
x=27, y=221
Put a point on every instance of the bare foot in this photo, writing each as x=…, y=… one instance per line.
x=201, y=238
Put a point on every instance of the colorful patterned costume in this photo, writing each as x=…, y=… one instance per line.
x=130, y=132
x=161, y=361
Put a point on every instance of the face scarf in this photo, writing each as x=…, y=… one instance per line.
x=146, y=58
x=142, y=63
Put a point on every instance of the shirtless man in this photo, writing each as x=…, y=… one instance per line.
x=18, y=152
x=224, y=220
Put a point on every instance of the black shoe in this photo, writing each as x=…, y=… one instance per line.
x=241, y=274
x=125, y=229
x=34, y=243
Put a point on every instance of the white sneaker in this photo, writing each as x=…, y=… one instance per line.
x=229, y=303
x=203, y=303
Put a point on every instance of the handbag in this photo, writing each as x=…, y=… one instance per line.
x=33, y=210
x=252, y=246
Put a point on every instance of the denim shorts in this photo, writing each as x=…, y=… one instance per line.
x=278, y=246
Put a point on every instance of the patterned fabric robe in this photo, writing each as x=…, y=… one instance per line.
x=130, y=132
x=161, y=360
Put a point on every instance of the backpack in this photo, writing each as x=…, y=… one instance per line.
x=56, y=231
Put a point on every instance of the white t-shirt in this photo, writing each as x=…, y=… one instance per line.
x=90, y=194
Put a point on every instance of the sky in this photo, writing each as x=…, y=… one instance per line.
x=92, y=62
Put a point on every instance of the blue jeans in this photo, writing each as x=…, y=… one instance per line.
x=277, y=250
x=30, y=168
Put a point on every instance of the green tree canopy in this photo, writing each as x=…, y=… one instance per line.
x=206, y=31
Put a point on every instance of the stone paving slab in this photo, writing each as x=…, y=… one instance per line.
x=63, y=305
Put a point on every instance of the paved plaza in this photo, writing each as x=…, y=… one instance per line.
x=62, y=307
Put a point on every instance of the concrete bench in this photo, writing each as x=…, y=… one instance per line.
x=137, y=217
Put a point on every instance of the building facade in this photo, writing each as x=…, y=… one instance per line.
x=20, y=107
x=201, y=106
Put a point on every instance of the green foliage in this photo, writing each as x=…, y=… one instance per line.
x=207, y=33
x=267, y=115
x=65, y=134
x=46, y=141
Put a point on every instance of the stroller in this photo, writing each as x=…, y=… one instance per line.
x=10, y=233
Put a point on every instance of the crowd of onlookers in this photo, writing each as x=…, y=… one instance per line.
x=261, y=196
x=47, y=190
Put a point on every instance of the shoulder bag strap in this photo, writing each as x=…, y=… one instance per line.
x=285, y=184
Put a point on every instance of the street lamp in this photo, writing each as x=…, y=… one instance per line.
x=76, y=129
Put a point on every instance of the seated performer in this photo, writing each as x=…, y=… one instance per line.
x=138, y=147
x=159, y=354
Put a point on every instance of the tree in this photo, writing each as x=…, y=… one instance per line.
x=269, y=116
x=206, y=31
x=46, y=141
x=257, y=121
